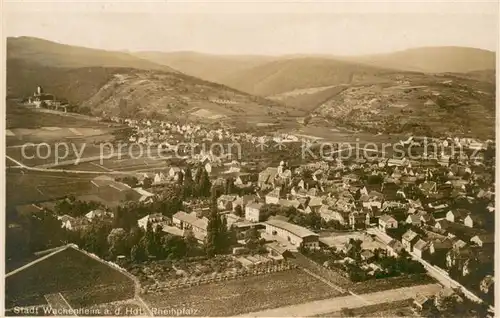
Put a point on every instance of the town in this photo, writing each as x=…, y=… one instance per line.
x=203, y=217
x=250, y=159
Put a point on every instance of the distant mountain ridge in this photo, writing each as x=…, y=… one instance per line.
x=210, y=67
x=52, y=54
x=271, y=75
x=446, y=59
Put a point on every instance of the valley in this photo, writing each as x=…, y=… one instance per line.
x=361, y=93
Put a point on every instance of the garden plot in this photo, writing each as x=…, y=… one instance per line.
x=29, y=186
x=250, y=261
x=92, y=282
x=244, y=295
x=131, y=164
x=339, y=240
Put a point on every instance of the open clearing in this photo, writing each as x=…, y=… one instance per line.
x=92, y=282
x=244, y=295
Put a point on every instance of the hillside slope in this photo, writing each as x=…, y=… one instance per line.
x=153, y=94
x=47, y=53
x=116, y=83
x=420, y=104
x=285, y=75
x=131, y=92
x=74, y=84
x=433, y=60
x=209, y=67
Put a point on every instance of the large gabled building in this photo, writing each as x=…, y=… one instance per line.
x=294, y=234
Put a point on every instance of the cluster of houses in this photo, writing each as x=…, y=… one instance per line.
x=272, y=229
x=42, y=99
x=445, y=208
x=443, y=204
x=170, y=134
x=104, y=190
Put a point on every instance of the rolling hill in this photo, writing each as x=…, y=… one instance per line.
x=209, y=67
x=423, y=104
x=116, y=83
x=48, y=53
x=289, y=74
x=369, y=95
x=74, y=84
x=267, y=75
x=152, y=94
x=450, y=59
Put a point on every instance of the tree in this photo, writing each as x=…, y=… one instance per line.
x=134, y=236
x=313, y=221
x=117, y=241
x=355, y=248
x=126, y=216
x=152, y=242
x=137, y=253
x=180, y=178
x=450, y=306
x=95, y=238
x=172, y=247
x=188, y=190
x=229, y=186
x=216, y=241
x=306, y=174
x=191, y=243
x=130, y=181
x=238, y=211
x=197, y=177
x=147, y=182
x=346, y=312
x=205, y=185
x=252, y=238
x=40, y=231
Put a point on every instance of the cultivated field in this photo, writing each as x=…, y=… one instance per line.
x=374, y=285
x=25, y=124
x=24, y=187
x=391, y=309
x=53, y=154
x=91, y=282
x=245, y=295
x=19, y=116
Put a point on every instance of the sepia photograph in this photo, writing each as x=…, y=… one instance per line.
x=249, y=158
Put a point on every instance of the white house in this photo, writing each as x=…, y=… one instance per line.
x=387, y=222
x=273, y=197
x=153, y=219
x=252, y=212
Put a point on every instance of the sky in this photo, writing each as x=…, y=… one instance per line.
x=257, y=27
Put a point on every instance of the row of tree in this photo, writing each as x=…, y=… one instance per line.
x=200, y=186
